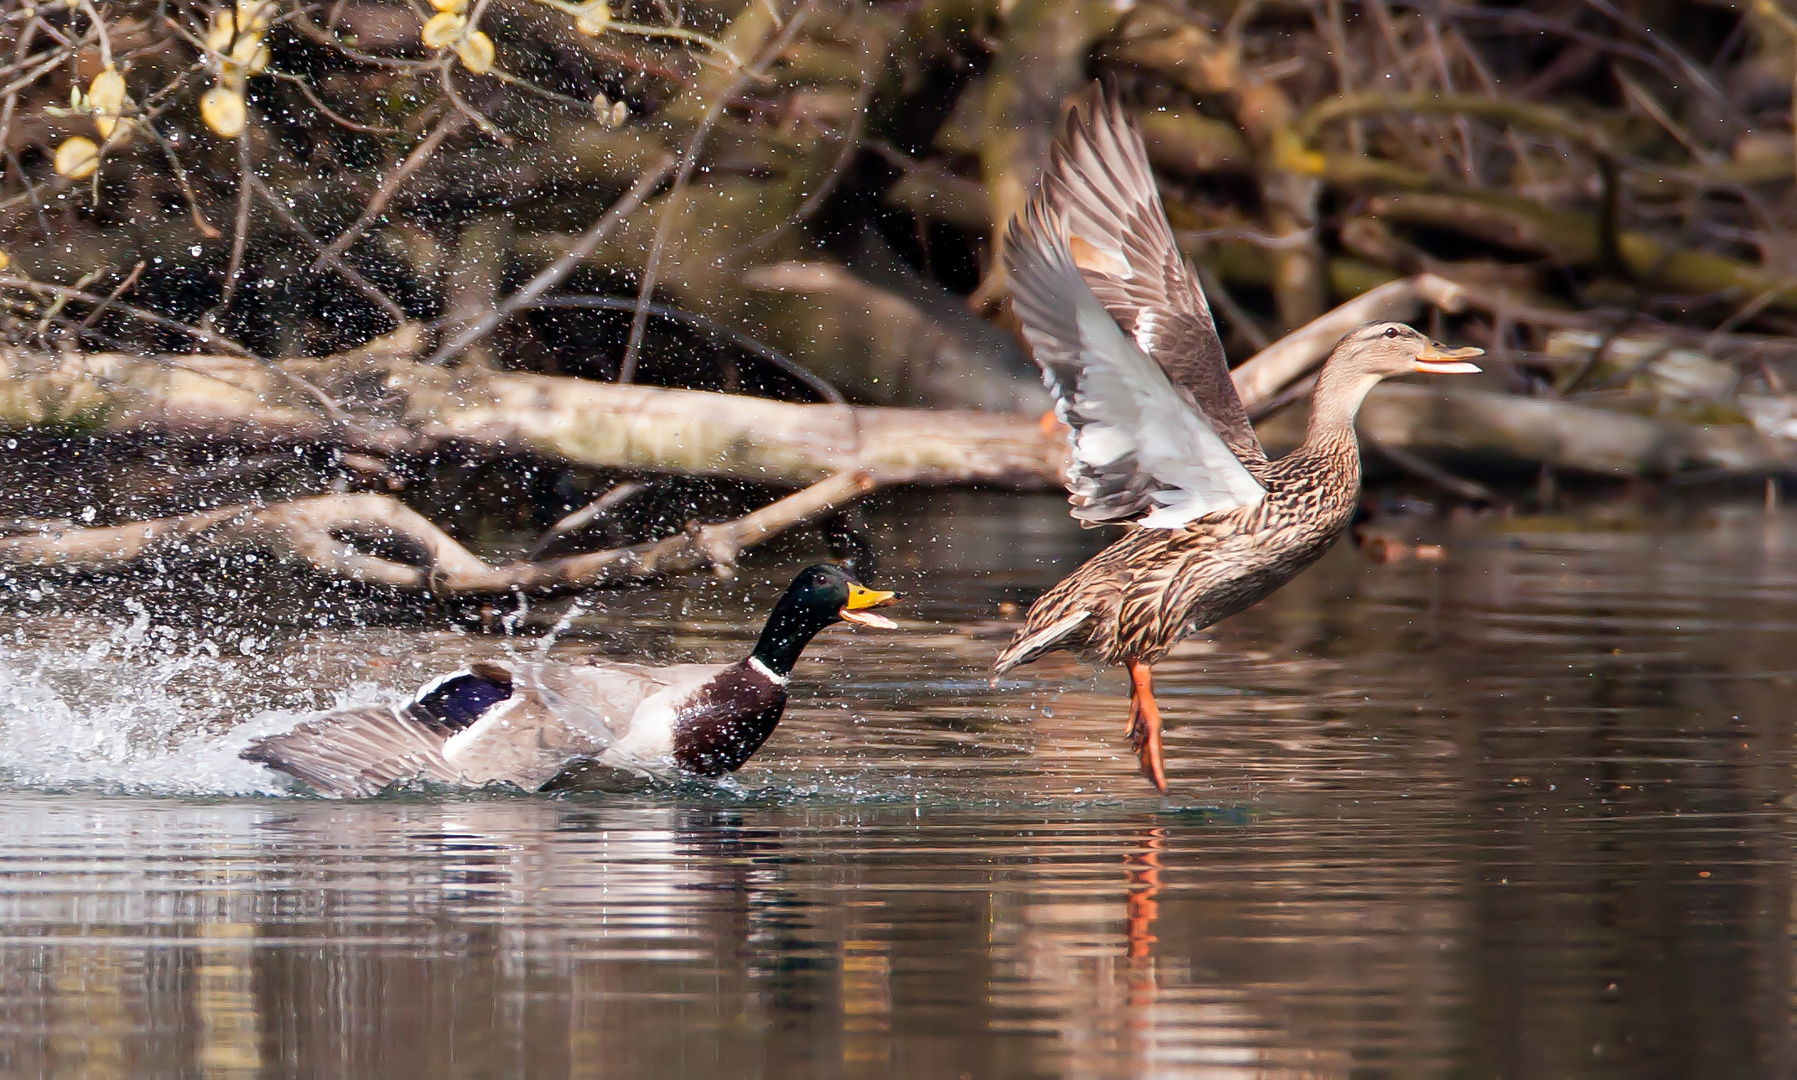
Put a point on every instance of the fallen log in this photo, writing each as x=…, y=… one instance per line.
x=379, y=401
x=389, y=406
x=1578, y=240
x=1458, y=423
x=1443, y=423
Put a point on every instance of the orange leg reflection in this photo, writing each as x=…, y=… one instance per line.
x=1143, y=872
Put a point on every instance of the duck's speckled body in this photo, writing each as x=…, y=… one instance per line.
x=1160, y=440
x=1154, y=586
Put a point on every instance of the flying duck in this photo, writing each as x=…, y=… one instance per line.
x=1160, y=441
x=525, y=722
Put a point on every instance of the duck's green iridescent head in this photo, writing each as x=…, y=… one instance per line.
x=818, y=596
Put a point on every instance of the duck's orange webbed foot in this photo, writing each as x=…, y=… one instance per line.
x=1145, y=724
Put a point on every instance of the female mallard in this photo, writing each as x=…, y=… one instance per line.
x=1160, y=441
x=525, y=722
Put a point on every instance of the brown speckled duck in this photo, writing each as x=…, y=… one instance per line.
x=526, y=722
x=1160, y=440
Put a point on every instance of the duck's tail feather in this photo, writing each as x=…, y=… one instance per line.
x=1030, y=644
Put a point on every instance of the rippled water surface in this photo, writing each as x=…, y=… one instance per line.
x=1520, y=813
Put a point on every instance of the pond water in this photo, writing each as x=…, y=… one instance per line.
x=1522, y=813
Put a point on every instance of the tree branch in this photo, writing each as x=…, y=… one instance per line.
x=320, y=532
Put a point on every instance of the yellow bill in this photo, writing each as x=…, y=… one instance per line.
x=861, y=598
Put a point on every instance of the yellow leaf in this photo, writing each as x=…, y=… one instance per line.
x=442, y=29
x=107, y=98
x=77, y=158
x=224, y=112
x=593, y=18
x=476, y=51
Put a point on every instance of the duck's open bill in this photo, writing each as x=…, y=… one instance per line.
x=861, y=599
x=1438, y=359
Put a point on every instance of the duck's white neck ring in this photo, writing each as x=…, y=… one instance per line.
x=767, y=672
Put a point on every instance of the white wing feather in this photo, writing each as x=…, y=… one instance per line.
x=1139, y=443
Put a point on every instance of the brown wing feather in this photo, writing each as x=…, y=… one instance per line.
x=357, y=752
x=1099, y=181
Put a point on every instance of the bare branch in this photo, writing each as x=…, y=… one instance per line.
x=321, y=532
x=450, y=124
x=553, y=274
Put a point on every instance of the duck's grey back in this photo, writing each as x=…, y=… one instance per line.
x=623, y=714
x=515, y=721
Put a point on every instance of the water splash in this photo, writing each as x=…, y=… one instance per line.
x=142, y=708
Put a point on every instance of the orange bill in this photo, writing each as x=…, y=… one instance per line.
x=1438, y=359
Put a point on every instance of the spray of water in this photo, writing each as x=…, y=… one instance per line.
x=148, y=709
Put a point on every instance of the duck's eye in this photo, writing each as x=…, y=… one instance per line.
x=1391, y=331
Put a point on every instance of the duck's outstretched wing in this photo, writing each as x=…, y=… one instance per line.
x=1098, y=181
x=361, y=751
x=517, y=722
x=1142, y=449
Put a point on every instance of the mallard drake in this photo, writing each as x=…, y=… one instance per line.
x=1160, y=440
x=525, y=722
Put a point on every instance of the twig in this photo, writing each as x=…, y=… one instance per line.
x=688, y=160
x=1470, y=490
x=318, y=103
x=193, y=201
x=1544, y=118
x=361, y=284
x=851, y=145
x=313, y=531
x=99, y=29
x=390, y=184
x=201, y=334
x=446, y=70
x=586, y=515
x=1238, y=316
x=561, y=267
x=819, y=386
x=123, y=287
x=1293, y=393
x=241, y=235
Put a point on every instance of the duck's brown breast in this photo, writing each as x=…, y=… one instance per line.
x=1184, y=581
x=726, y=720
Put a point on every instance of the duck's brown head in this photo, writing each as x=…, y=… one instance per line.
x=1384, y=349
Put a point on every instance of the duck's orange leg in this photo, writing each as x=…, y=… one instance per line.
x=1145, y=723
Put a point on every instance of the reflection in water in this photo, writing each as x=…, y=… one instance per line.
x=1522, y=814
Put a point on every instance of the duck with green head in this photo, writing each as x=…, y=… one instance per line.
x=526, y=722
